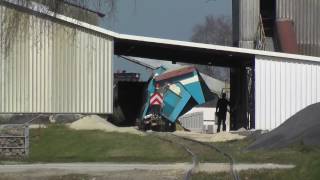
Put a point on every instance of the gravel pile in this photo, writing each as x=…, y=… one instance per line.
x=94, y=122
x=302, y=128
x=218, y=137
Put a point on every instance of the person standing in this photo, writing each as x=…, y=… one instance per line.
x=221, y=111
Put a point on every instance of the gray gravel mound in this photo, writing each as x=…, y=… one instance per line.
x=301, y=128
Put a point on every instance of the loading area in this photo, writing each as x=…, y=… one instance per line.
x=241, y=68
x=264, y=85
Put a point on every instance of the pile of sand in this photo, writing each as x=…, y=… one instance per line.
x=218, y=137
x=94, y=122
x=301, y=128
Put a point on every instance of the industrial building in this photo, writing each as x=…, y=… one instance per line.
x=258, y=24
x=289, y=26
x=65, y=66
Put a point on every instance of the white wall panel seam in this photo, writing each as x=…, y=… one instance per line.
x=111, y=54
x=1, y=59
x=49, y=72
x=285, y=81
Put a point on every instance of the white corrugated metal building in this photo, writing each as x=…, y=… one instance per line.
x=53, y=67
x=44, y=73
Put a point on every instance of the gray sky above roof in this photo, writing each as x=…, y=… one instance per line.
x=171, y=19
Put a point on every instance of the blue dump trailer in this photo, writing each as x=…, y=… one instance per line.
x=181, y=89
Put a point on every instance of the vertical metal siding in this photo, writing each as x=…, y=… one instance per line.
x=56, y=68
x=246, y=13
x=193, y=121
x=305, y=15
x=283, y=87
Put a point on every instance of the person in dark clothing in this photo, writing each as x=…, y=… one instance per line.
x=221, y=111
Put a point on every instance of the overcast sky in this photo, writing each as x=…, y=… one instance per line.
x=173, y=19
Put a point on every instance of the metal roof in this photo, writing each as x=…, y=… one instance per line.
x=172, y=50
x=229, y=53
x=183, y=70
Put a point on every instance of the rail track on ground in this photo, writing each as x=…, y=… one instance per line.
x=188, y=143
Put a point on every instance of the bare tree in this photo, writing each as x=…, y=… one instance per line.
x=78, y=9
x=215, y=30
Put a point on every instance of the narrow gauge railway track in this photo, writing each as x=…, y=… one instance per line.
x=181, y=141
x=164, y=137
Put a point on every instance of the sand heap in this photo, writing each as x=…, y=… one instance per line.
x=218, y=137
x=301, y=128
x=94, y=122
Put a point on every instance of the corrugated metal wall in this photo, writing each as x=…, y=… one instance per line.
x=192, y=121
x=305, y=15
x=52, y=67
x=283, y=87
x=245, y=22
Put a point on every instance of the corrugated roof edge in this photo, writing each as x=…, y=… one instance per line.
x=219, y=48
x=173, y=42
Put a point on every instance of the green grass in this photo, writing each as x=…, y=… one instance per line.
x=215, y=176
x=306, y=159
x=204, y=153
x=295, y=154
x=60, y=144
x=262, y=175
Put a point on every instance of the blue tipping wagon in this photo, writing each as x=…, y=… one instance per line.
x=182, y=89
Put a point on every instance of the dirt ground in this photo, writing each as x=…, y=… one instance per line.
x=217, y=137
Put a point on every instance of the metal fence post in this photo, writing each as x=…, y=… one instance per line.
x=26, y=140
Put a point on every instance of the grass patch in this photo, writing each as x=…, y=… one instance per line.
x=295, y=154
x=306, y=159
x=215, y=176
x=261, y=175
x=60, y=144
x=203, y=153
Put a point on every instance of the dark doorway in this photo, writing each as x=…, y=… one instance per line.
x=128, y=102
x=268, y=15
x=242, y=98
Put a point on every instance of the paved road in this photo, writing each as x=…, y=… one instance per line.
x=93, y=167
x=108, y=167
x=114, y=171
x=223, y=167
